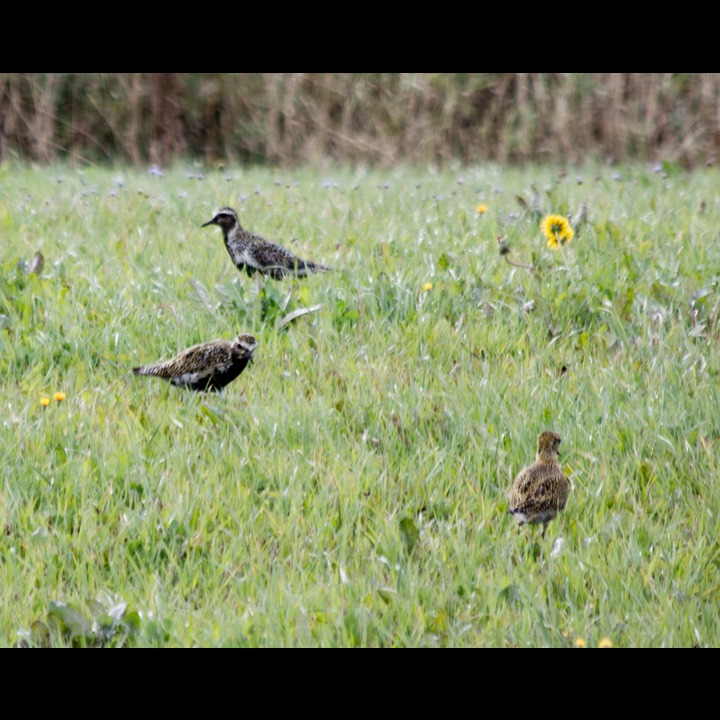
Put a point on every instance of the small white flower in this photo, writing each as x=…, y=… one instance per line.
x=557, y=547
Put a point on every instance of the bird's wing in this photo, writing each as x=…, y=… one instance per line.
x=538, y=490
x=524, y=481
x=270, y=254
x=211, y=357
x=198, y=359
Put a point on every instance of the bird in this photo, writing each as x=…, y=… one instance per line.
x=540, y=490
x=253, y=253
x=207, y=366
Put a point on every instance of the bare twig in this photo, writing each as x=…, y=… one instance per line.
x=296, y=314
x=531, y=268
x=504, y=249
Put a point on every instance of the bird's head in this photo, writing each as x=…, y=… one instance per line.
x=548, y=443
x=245, y=345
x=225, y=217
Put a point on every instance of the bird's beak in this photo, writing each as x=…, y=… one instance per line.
x=209, y=222
x=249, y=350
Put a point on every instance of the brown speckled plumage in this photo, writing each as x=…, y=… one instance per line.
x=253, y=253
x=540, y=491
x=208, y=366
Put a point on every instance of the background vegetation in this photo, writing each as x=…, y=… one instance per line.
x=349, y=488
x=380, y=119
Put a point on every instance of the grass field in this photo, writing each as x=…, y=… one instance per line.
x=348, y=489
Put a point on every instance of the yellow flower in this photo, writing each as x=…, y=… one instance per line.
x=59, y=396
x=580, y=643
x=605, y=643
x=44, y=401
x=427, y=286
x=481, y=208
x=557, y=230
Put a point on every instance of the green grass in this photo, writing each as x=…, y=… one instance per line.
x=349, y=488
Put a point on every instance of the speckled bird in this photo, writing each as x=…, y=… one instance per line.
x=208, y=366
x=253, y=253
x=540, y=491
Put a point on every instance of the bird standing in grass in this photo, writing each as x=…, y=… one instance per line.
x=540, y=491
x=253, y=253
x=208, y=366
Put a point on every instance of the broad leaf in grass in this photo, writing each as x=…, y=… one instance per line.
x=70, y=621
x=410, y=534
x=509, y=594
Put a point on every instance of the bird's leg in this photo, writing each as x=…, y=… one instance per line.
x=543, y=530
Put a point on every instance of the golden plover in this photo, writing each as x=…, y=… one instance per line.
x=253, y=253
x=540, y=491
x=208, y=366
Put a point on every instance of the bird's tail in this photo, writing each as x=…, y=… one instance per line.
x=146, y=370
x=320, y=268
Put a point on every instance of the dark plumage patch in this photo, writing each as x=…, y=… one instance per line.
x=252, y=253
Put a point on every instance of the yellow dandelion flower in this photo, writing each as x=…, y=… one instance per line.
x=427, y=286
x=59, y=396
x=557, y=230
x=580, y=643
x=44, y=401
x=481, y=209
x=605, y=643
